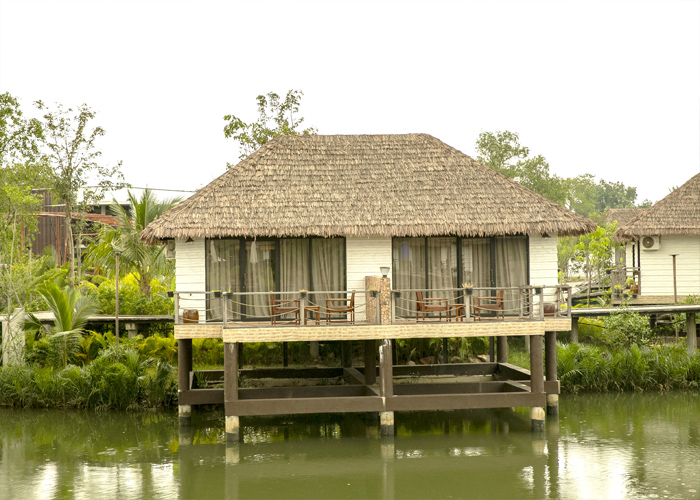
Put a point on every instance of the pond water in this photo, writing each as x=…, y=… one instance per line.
x=603, y=446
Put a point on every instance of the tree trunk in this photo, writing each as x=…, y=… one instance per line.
x=69, y=239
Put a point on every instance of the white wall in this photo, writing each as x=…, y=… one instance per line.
x=364, y=256
x=190, y=275
x=656, y=266
x=543, y=263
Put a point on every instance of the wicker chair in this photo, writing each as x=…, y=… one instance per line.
x=344, y=306
x=278, y=307
x=424, y=306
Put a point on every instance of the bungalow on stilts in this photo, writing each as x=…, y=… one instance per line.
x=368, y=239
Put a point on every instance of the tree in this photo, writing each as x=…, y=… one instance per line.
x=73, y=157
x=272, y=121
x=144, y=261
x=503, y=152
x=595, y=251
x=71, y=312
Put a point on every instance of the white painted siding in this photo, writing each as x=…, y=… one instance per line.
x=657, y=266
x=543, y=263
x=543, y=260
x=364, y=257
x=190, y=275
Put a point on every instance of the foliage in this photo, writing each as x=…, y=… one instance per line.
x=21, y=169
x=626, y=328
x=503, y=152
x=71, y=312
x=142, y=261
x=272, y=121
x=119, y=379
x=21, y=282
x=131, y=300
x=77, y=178
x=587, y=368
x=594, y=252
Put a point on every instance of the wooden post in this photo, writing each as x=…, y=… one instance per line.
x=445, y=354
x=370, y=362
x=691, y=334
x=574, y=331
x=346, y=353
x=176, y=306
x=675, y=287
x=386, y=386
x=224, y=310
x=184, y=368
x=502, y=349
x=536, y=381
x=231, y=390
x=550, y=365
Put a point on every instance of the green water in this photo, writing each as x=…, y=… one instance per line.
x=619, y=446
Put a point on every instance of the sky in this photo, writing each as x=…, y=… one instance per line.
x=607, y=88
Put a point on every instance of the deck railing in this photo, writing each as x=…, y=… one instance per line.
x=310, y=308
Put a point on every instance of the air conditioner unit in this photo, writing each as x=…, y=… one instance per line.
x=650, y=242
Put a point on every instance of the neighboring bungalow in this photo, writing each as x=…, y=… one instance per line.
x=670, y=227
x=322, y=212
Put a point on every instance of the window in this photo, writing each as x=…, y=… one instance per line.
x=272, y=265
x=436, y=263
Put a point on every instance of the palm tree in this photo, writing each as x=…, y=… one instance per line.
x=143, y=261
x=71, y=312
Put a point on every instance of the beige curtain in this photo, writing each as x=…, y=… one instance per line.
x=442, y=267
x=327, y=269
x=511, y=268
x=476, y=263
x=408, y=273
x=260, y=277
x=223, y=274
x=294, y=268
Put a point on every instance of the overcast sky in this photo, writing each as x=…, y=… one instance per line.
x=610, y=88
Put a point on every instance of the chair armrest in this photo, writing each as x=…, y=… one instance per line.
x=330, y=301
x=435, y=299
x=278, y=302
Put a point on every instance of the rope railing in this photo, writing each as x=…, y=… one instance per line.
x=460, y=304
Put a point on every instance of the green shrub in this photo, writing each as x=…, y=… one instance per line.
x=625, y=328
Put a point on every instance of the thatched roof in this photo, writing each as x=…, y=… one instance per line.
x=362, y=185
x=677, y=214
x=622, y=215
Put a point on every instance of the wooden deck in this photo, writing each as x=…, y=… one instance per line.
x=401, y=329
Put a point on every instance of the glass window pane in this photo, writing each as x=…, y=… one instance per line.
x=511, y=268
x=476, y=263
x=223, y=274
x=442, y=267
x=327, y=269
x=408, y=272
x=259, y=277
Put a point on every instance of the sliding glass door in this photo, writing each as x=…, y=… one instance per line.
x=271, y=266
x=436, y=263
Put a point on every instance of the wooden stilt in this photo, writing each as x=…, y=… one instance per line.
x=370, y=362
x=184, y=371
x=502, y=350
x=231, y=390
x=691, y=334
x=386, y=387
x=550, y=364
x=536, y=381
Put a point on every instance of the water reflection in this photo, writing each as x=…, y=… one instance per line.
x=631, y=446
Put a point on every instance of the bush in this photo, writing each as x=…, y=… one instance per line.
x=625, y=328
